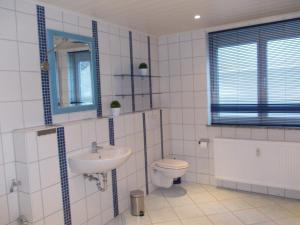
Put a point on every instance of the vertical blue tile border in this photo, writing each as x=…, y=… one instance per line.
x=41, y=22
x=63, y=167
x=131, y=71
x=113, y=172
x=145, y=153
x=98, y=79
x=150, y=71
x=161, y=134
x=115, y=192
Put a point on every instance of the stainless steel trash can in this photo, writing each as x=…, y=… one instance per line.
x=137, y=203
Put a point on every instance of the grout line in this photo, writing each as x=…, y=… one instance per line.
x=145, y=153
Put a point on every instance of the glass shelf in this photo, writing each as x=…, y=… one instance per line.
x=137, y=94
x=135, y=75
x=123, y=95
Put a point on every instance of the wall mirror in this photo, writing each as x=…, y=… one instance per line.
x=72, y=71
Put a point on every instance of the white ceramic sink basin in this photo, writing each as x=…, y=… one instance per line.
x=106, y=159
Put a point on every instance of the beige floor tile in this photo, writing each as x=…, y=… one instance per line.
x=266, y=223
x=197, y=221
x=275, y=212
x=187, y=204
x=289, y=221
x=193, y=188
x=225, y=194
x=162, y=215
x=212, y=208
x=128, y=219
x=224, y=219
x=210, y=188
x=291, y=205
x=236, y=204
x=116, y=221
x=180, y=201
x=280, y=200
x=156, y=202
x=202, y=197
x=157, y=192
x=251, y=216
x=259, y=201
x=188, y=211
x=246, y=194
x=174, y=191
x=175, y=222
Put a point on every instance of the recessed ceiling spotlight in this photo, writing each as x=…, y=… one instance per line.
x=197, y=17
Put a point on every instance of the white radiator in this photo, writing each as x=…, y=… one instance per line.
x=267, y=163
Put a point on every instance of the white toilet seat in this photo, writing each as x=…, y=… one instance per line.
x=171, y=164
x=165, y=170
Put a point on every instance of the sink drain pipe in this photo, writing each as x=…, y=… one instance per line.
x=102, y=186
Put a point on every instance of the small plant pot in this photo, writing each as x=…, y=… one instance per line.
x=144, y=72
x=115, y=111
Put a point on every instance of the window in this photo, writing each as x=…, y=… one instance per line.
x=255, y=75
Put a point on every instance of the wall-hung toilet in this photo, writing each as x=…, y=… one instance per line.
x=164, y=171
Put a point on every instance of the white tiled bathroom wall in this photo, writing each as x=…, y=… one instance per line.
x=21, y=98
x=20, y=81
x=182, y=67
x=38, y=169
x=183, y=63
x=113, y=41
x=88, y=205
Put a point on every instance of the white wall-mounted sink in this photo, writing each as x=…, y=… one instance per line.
x=106, y=159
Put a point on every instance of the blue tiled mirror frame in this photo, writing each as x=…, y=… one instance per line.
x=56, y=109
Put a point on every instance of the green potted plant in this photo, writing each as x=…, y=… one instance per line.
x=143, y=67
x=115, y=108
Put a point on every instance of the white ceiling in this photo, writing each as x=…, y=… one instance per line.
x=169, y=16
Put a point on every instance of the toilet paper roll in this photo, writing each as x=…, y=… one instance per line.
x=203, y=144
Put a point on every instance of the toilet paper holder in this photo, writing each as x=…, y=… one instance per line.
x=203, y=140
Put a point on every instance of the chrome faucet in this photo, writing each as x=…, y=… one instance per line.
x=95, y=147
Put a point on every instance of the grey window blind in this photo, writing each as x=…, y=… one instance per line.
x=255, y=75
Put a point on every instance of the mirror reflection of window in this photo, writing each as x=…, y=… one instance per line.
x=80, y=82
x=74, y=69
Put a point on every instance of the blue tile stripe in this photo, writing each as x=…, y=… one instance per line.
x=113, y=172
x=98, y=79
x=150, y=71
x=64, y=175
x=41, y=22
x=111, y=131
x=161, y=134
x=145, y=153
x=131, y=71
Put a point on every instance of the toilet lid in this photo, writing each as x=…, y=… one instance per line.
x=172, y=164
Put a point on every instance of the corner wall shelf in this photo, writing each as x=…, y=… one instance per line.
x=144, y=82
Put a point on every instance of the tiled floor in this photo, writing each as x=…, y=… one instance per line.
x=195, y=204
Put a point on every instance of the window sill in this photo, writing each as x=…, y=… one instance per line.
x=253, y=126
